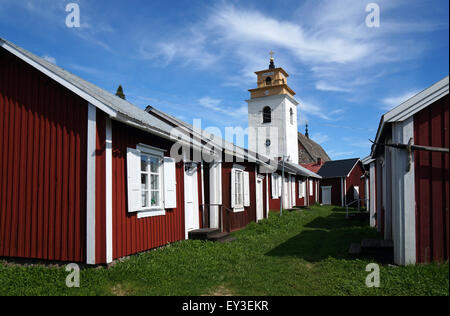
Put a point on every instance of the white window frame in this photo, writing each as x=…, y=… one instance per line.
x=276, y=186
x=311, y=187
x=158, y=210
x=238, y=174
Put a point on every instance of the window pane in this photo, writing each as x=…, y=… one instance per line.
x=154, y=164
x=144, y=198
x=144, y=163
x=144, y=182
x=155, y=182
x=155, y=198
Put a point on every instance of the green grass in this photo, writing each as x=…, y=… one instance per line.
x=301, y=253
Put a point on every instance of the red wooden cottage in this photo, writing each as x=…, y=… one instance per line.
x=300, y=187
x=342, y=182
x=410, y=185
x=88, y=177
x=235, y=184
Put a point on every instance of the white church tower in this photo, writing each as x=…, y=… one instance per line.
x=272, y=115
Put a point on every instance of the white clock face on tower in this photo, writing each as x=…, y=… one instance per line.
x=266, y=92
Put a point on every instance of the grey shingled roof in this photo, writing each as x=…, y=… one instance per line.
x=125, y=109
x=312, y=150
x=337, y=168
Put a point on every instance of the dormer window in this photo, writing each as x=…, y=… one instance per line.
x=267, y=115
x=268, y=81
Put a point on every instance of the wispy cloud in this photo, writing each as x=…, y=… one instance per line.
x=49, y=59
x=330, y=38
x=391, y=102
x=216, y=105
x=320, y=138
x=324, y=86
x=309, y=108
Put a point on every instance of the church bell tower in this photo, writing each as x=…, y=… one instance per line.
x=272, y=115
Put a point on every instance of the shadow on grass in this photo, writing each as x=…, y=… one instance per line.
x=325, y=237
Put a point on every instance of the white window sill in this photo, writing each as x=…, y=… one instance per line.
x=238, y=209
x=150, y=213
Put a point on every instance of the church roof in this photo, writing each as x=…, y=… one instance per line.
x=313, y=151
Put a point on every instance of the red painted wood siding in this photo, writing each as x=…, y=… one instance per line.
x=274, y=204
x=130, y=234
x=354, y=179
x=43, y=130
x=431, y=128
x=234, y=221
x=299, y=201
x=312, y=198
x=336, y=193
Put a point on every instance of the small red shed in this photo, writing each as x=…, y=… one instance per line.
x=342, y=182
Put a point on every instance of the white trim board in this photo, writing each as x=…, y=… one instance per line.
x=90, y=184
x=109, y=173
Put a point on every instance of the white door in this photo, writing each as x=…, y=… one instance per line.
x=326, y=195
x=191, y=206
x=286, y=193
x=259, y=199
x=356, y=192
x=293, y=196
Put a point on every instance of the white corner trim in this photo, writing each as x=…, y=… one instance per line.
x=109, y=173
x=93, y=101
x=90, y=185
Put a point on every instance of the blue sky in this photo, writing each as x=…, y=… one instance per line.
x=196, y=59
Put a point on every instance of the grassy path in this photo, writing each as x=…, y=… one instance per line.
x=301, y=253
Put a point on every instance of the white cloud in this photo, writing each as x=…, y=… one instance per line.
x=393, y=101
x=50, y=59
x=323, y=86
x=320, y=138
x=329, y=38
x=216, y=105
x=307, y=108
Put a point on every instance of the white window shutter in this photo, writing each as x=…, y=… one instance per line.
x=293, y=189
x=134, y=180
x=274, y=186
x=233, y=188
x=299, y=189
x=170, y=183
x=246, y=189
x=280, y=183
x=304, y=189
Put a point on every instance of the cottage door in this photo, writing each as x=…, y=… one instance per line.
x=326, y=195
x=191, y=206
x=259, y=199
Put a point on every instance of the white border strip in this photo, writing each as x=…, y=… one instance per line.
x=109, y=172
x=90, y=185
